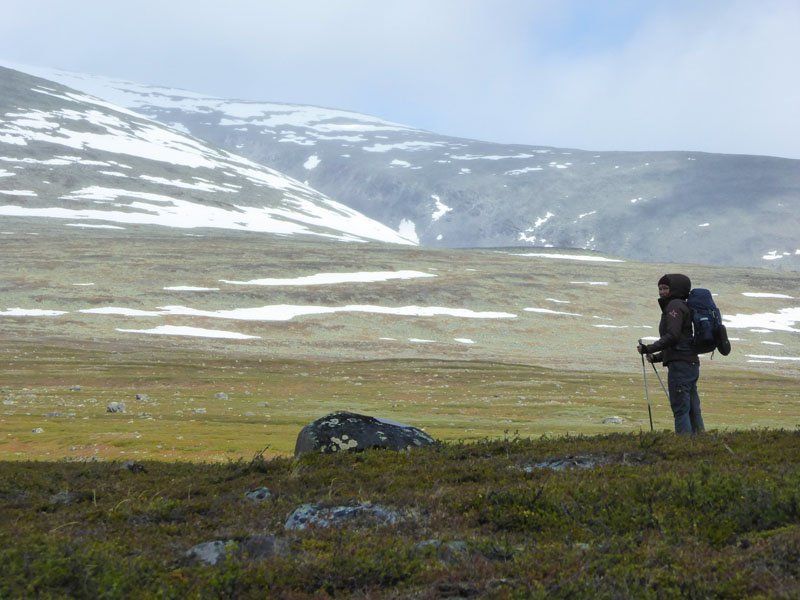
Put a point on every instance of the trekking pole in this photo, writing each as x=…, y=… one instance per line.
x=663, y=387
x=646, y=393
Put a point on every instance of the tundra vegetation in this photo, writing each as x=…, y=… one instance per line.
x=547, y=481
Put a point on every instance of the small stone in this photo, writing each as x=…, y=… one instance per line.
x=209, y=553
x=199, y=411
x=221, y=396
x=614, y=420
x=446, y=551
x=64, y=498
x=115, y=407
x=133, y=466
x=258, y=494
x=37, y=430
x=142, y=397
x=75, y=388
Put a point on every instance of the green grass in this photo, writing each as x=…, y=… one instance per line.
x=713, y=516
x=270, y=401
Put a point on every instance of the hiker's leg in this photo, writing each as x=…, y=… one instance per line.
x=680, y=395
x=695, y=414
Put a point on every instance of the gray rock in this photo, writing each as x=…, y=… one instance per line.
x=37, y=430
x=256, y=547
x=568, y=462
x=314, y=515
x=345, y=431
x=221, y=396
x=258, y=494
x=259, y=547
x=75, y=388
x=142, y=397
x=446, y=551
x=133, y=466
x=115, y=407
x=66, y=497
x=209, y=553
x=614, y=420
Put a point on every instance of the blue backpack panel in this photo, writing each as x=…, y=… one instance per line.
x=709, y=332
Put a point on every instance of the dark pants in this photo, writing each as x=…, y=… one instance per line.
x=683, y=397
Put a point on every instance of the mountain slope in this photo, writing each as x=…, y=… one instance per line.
x=69, y=156
x=444, y=191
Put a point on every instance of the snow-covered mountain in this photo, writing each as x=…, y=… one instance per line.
x=66, y=155
x=445, y=191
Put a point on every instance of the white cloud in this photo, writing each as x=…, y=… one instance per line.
x=716, y=75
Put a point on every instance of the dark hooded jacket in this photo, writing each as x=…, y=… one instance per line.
x=675, y=327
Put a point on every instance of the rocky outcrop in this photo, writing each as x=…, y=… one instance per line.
x=314, y=515
x=345, y=431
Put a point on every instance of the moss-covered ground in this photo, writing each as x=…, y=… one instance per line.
x=662, y=517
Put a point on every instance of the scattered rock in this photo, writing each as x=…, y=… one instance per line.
x=209, y=553
x=142, y=397
x=75, y=388
x=260, y=547
x=256, y=547
x=37, y=430
x=314, y=515
x=221, y=396
x=258, y=494
x=344, y=431
x=446, y=551
x=65, y=497
x=199, y=411
x=614, y=420
x=569, y=462
x=115, y=407
x=133, y=466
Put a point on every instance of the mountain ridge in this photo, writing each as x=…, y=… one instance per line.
x=445, y=191
x=73, y=156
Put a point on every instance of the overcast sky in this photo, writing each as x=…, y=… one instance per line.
x=714, y=75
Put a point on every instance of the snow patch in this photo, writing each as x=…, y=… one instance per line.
x=332, y=278
x=581, y=257
x=192, y=332
x=766, y=295
x=441, y=208
x=547, y=311
x=31, y=312
x=408, y=231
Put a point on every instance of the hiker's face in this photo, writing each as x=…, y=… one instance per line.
x=663, y=291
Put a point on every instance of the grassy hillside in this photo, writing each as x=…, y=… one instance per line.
x=654, y=516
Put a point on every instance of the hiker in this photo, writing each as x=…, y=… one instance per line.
x=676, y=350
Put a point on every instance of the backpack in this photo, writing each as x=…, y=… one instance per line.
x=709, y=332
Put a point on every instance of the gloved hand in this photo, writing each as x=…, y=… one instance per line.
x=641, y=348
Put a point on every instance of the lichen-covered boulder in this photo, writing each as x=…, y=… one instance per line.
x=314, y=515
x=345, y=431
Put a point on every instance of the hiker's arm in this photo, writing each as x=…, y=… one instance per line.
x=673, y=333
x=655, y=358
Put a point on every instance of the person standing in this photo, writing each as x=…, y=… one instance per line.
x=676, y=350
